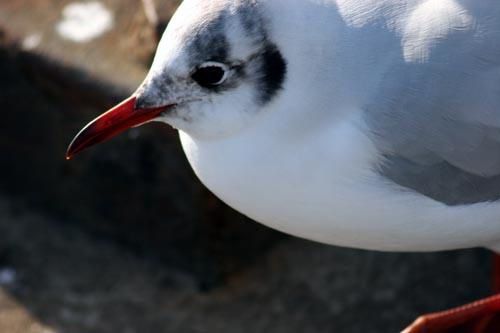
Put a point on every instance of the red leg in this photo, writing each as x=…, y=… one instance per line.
x=479, y=317
x=496, y=273
x=472, y=318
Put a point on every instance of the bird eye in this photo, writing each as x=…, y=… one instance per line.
x=210, y=74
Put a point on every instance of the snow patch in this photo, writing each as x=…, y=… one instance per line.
x=84, y=21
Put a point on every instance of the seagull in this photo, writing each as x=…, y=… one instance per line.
x=372, y=124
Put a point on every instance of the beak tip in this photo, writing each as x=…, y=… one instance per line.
x=123, y=116
x=72, y=150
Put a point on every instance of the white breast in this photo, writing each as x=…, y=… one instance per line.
x=322, y=186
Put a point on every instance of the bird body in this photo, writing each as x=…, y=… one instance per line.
x=332, y=193
x=364, y=123
x=313, y=164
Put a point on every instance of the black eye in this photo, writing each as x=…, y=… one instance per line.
x=210, y=74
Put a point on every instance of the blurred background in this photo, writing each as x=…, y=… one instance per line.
x=125, y=239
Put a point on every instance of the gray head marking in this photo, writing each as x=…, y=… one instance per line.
x=270, y=69
x=265, y=68
x=236, y=35
x=210, y=42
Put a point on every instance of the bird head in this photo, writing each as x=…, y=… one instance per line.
x=215, y=70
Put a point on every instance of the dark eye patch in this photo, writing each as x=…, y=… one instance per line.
x=209, y=76
x=273, y=70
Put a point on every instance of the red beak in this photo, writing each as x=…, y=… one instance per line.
x=120, y=118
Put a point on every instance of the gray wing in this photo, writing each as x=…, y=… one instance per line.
x=438, y=121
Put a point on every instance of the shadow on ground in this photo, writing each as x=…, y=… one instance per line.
x=68, y=281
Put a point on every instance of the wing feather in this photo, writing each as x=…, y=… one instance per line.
x=442, y=108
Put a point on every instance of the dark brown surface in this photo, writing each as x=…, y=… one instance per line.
x=120, y=55
x=69, y=281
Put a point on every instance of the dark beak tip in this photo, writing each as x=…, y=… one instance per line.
x=103, y=127
x=113, y=122
x=70, y=152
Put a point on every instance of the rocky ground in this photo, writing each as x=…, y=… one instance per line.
x=125, y=239
x=54, y=277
